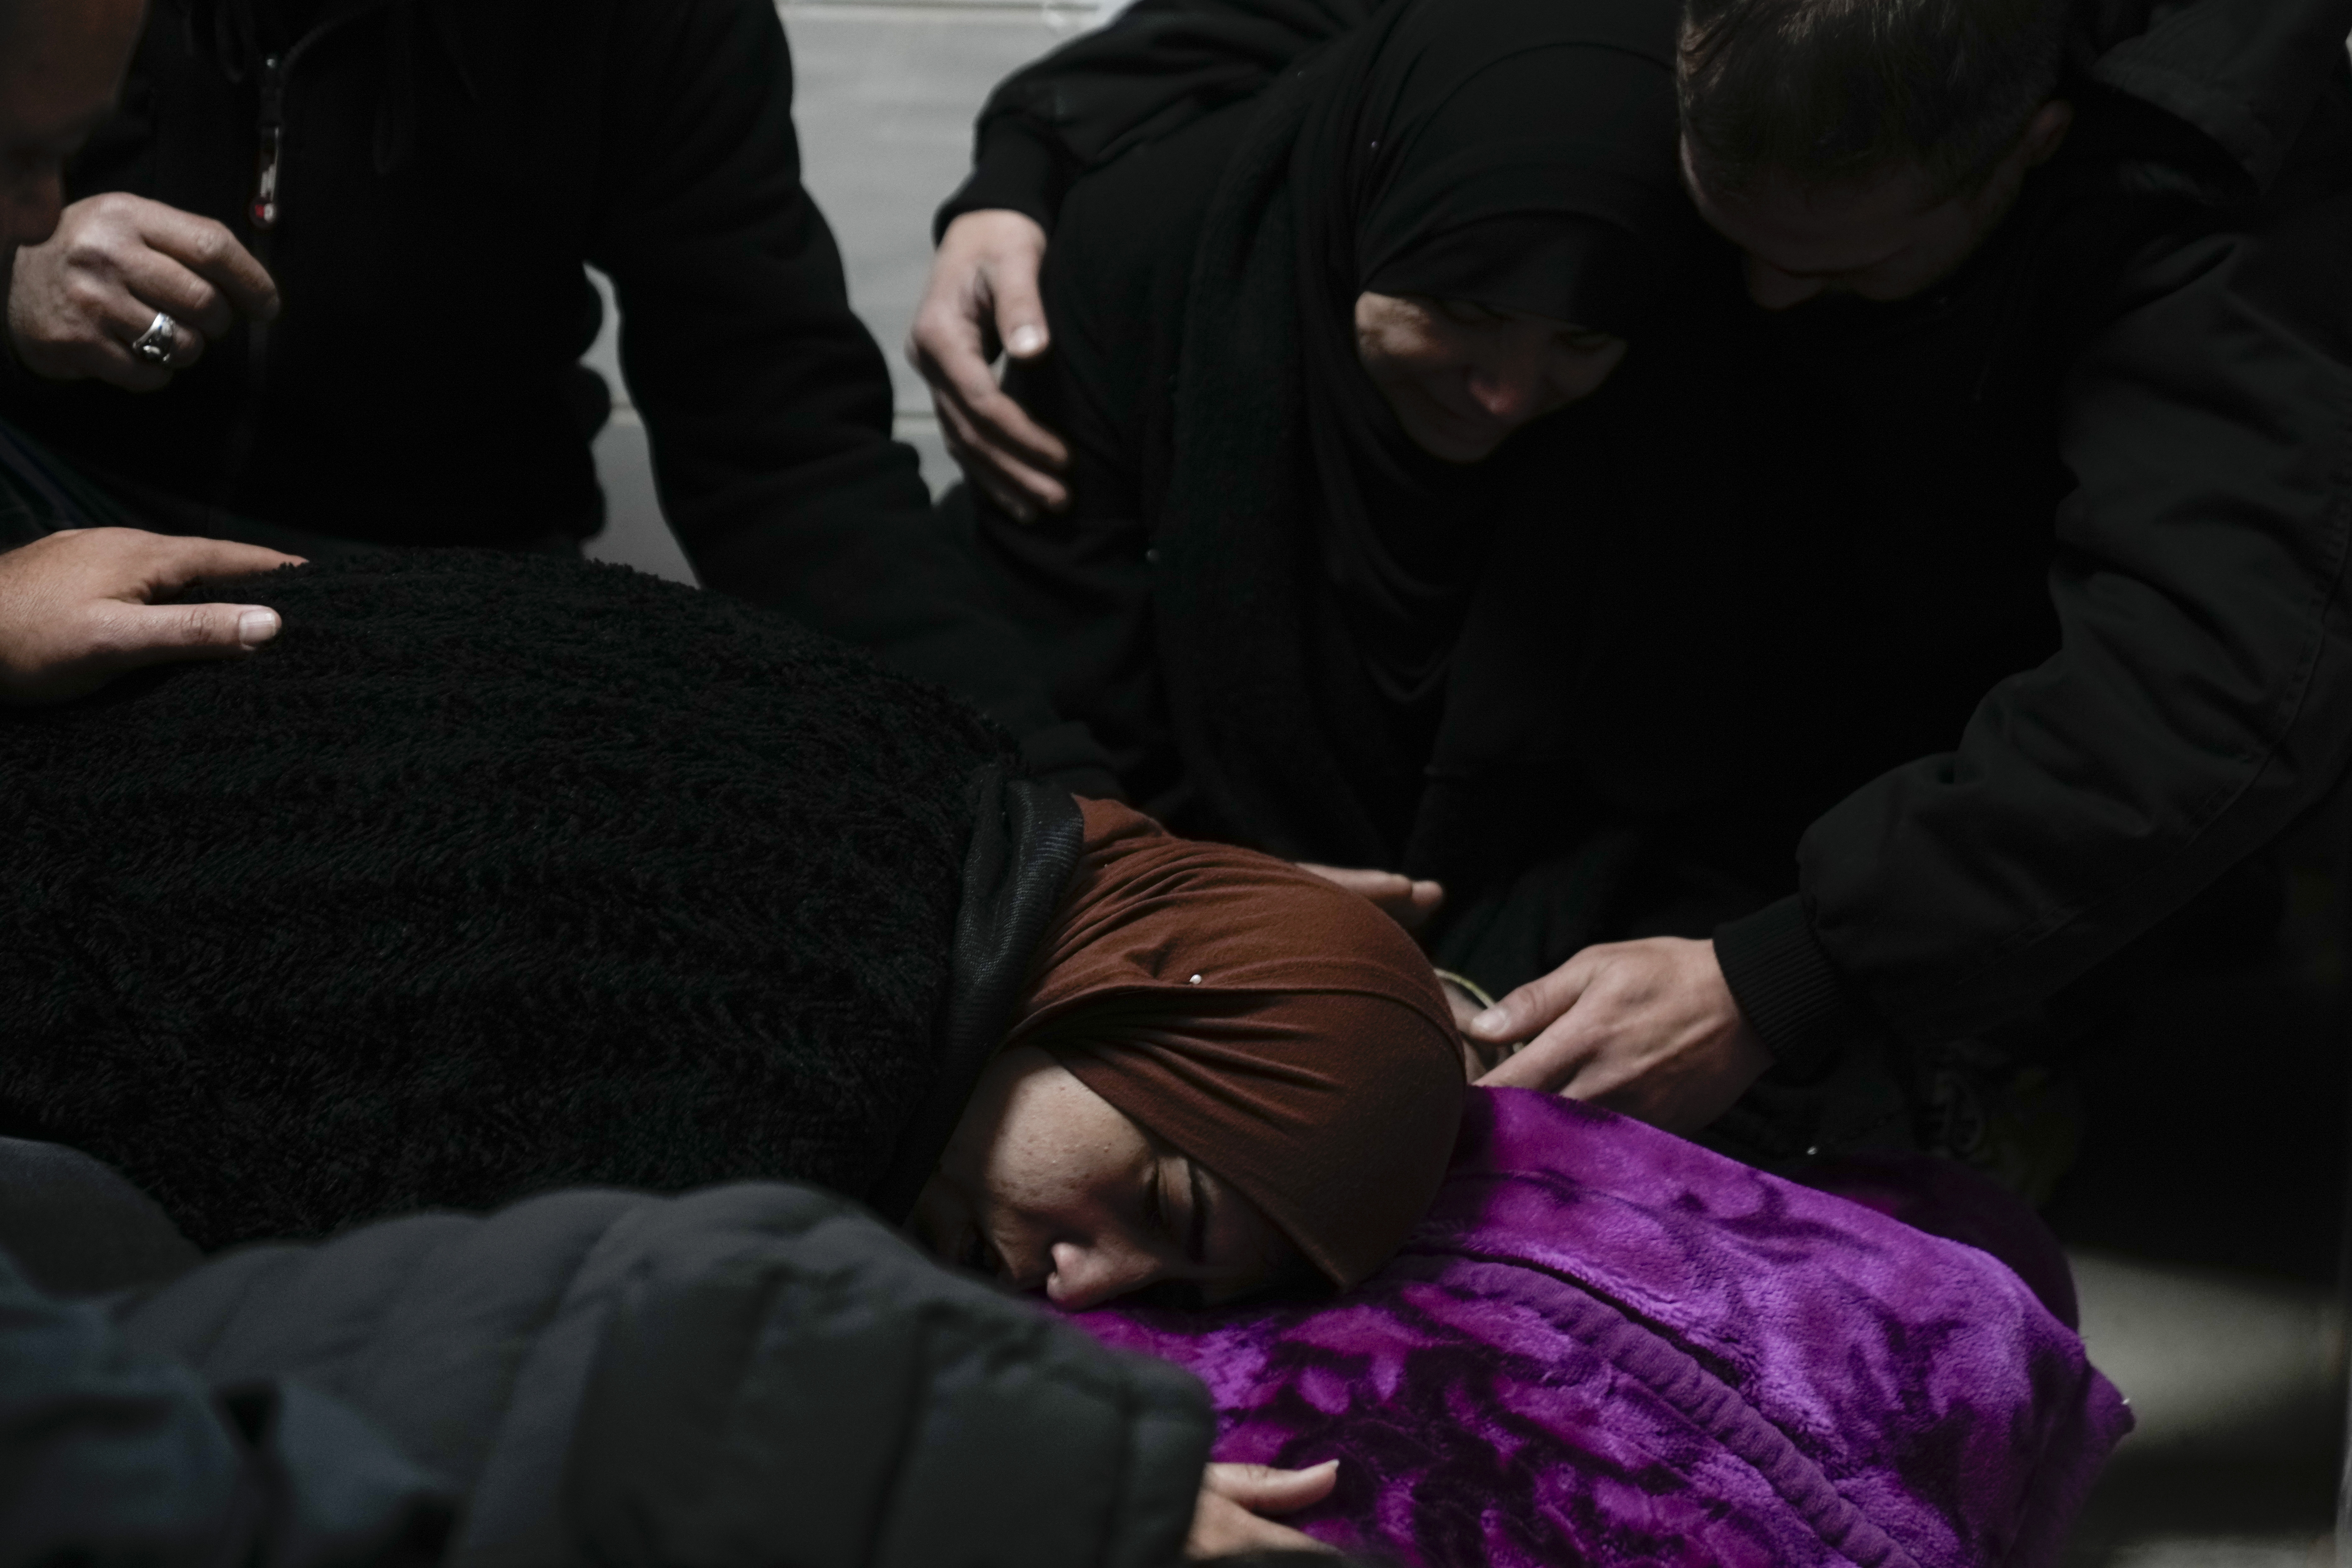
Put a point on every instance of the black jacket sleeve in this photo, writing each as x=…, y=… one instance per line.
x=767, y=402
x=110, y=1457
x=2202, y=699
x=1161, y=65
x=746, y=1374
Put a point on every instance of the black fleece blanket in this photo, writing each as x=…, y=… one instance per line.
x=492, y=874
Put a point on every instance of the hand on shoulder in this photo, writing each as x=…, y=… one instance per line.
x=1649, y=1028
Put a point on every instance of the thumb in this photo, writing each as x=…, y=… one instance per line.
x=1020, y=311
x=1531, y=1007
x=135, y=636
x=1263, y=1488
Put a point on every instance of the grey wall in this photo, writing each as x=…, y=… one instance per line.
x=884, y=99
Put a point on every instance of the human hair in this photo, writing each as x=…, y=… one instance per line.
x=1827, y=90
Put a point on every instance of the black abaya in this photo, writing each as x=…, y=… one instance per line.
x=1260, y=597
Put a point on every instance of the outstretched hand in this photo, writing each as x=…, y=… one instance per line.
x=982, y=296
x=1646, y=1027
x=1233, y=1498
x=75, y=610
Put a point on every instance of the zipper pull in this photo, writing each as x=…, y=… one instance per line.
x=273, y=142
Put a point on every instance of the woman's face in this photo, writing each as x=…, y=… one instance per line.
x=1050, y=1187
x=1461, y=378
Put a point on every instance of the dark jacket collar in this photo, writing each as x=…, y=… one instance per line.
x=2242, y=72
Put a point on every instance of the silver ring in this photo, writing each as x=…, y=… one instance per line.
x=159, y=342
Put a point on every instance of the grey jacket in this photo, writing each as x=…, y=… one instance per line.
x=750, y=1373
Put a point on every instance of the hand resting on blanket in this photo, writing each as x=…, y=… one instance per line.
x=77, y=608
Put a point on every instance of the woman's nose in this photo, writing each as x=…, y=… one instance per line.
x=1505, y=390
x=1086, y=1275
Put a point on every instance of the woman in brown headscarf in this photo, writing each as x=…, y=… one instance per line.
x=498, y=875
x=1222, y=1066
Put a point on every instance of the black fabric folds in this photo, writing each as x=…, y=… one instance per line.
x=1026, y=837
x=492, y=874
x=1412, y=154
x=1540, y=179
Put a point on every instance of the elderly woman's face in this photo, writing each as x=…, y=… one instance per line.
x=1461, y=378
x=1050, y=1187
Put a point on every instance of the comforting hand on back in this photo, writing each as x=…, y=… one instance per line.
x=1646, y=1027
x=78, y=302
x=982, y=295
x=75, y=610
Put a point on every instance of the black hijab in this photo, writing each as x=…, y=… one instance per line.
x=1518, y=155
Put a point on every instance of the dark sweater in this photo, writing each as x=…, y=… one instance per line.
x=495, y=873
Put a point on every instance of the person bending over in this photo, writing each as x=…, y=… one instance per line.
x=2020, y=463
x=1309, y=351
x=502, y=874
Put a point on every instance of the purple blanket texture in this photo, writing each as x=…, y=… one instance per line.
x=1608, y=1345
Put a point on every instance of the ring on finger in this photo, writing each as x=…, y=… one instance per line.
x=159, y=342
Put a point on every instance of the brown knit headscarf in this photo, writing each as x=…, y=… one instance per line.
x=1279, y=1029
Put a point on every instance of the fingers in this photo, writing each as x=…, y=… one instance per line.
x=74, y=609
x=1649, y=1028
x=129, y=637
x=1020, y=307
x=1543, y=1013
x=214, y=255
x=78, y=301
x=1405, y=900
x=1233, y=1496
x=1010, y=457
x=82, y=651
x=1222, y=1527
x=1263, y=1488
x=171, y=563
x=1535, y=1006
x=153, y=281
x=983, y=290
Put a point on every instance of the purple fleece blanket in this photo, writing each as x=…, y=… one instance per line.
x=1608, y=1345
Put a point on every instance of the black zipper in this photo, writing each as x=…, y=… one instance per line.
x=263, y=208
x=264, y=213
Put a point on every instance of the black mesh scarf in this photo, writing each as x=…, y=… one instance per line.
x=1518, y=155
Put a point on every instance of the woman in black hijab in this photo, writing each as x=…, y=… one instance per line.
x=1294, y=344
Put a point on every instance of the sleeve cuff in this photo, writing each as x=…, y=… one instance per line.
x=1017, y=169
x=1785, y=987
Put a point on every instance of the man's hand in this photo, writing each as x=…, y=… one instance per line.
x=1234, y=1495
x=74, y=610
x=1645, y=1027
x=1402, y=899
x=982, y=294
x=77, y=302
